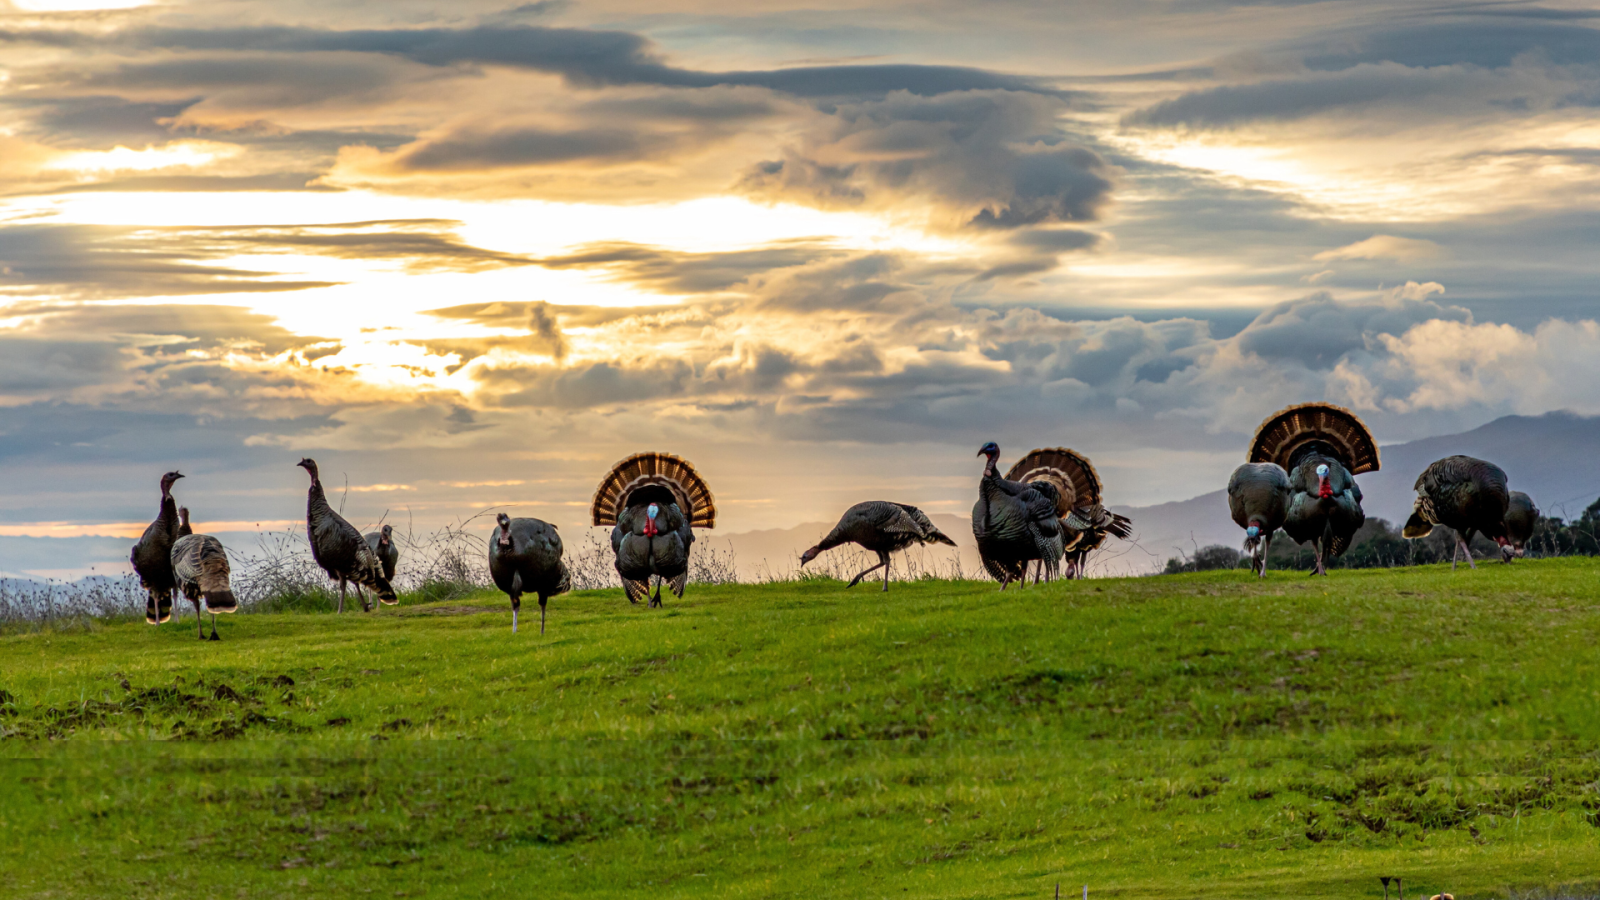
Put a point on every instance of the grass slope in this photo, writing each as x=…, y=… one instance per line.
x=1149, y=737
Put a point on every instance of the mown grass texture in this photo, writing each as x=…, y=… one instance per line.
x=1158, y=737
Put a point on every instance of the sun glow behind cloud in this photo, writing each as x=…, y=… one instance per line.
x=178, y=154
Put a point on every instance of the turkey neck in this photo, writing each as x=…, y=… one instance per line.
x=316, y=500
x=169, y=514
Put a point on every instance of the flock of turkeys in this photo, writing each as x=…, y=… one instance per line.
x=1045, y=514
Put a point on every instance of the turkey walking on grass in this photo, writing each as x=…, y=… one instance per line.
x=340, y=549
x=881, y=527
x=152, y=556
x=1322, y=447
x=1521, y=519
x=1465, y=494
x=1085, y=522
x=525, y=557
x=654, y=501
x=200, y=567
x=382, y=544
x=1258, y=498
x=1016, y=523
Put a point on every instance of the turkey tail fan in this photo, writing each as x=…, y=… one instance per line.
x=1120, y=526
x=678, y=584
x=635, y=589
x=661, y=471
x=1286, y=435
x=1070, y=472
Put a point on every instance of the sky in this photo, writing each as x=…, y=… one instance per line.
x=470, y=254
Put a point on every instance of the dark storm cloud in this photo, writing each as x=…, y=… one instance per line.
x=588, y=58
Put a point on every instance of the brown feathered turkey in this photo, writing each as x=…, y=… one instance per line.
x=654, y=501
x=1465, y=494
x=881, y=527
x=1522, y=517
x=340, y=549
x=152, y=555
x=1085, y=522
x=200, y=567
x=1258, y=498
x=1322, y=447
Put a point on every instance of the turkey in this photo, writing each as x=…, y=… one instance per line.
x=1258, y=497
x=340, y=549
x=382, y=544
x=184, y=528
x=1465, y=494
x=200, y=567
x=655, y=501
x=1521, y=518
x=1016, y=523
x=881, y=527
x=152, y=556
x=525, y=556
x=1322, y=447
x=1085, y=522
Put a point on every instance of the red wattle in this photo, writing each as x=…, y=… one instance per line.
x=1325, y=491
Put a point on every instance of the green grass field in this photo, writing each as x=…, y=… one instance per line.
x=1153, y=738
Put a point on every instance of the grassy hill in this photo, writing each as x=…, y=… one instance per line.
x=1162, y=737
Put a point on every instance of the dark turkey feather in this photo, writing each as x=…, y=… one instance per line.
x=383, y=546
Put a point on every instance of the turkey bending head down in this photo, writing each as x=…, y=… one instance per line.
x=654, y=501
x=1322, y=447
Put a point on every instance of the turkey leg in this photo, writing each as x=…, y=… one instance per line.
x=883, y=560
x=516, y=604
x=1266, y=544
x=885, y=571
x=542, y=601
x=199, y=626
x=1461, y=545
x=341, y=596
x=214, y=635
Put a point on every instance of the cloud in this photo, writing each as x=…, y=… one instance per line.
x=986, y=159
x=584, y=57
x=1386, y=246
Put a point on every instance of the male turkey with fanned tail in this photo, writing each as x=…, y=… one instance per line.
x=1016, y=523
x=881, y=527
x=1258, y=498
x=1322, y=447
x=152, y=556
x=340, y=549
x=525, y=557
x=654, y=501
x=1085, y=522
x=1465, y=494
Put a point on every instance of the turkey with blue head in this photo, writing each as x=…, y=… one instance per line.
x=654, y=501
x=1258, y=498
x=1322, y=447
x=1016, y=523
x=1085, y=522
